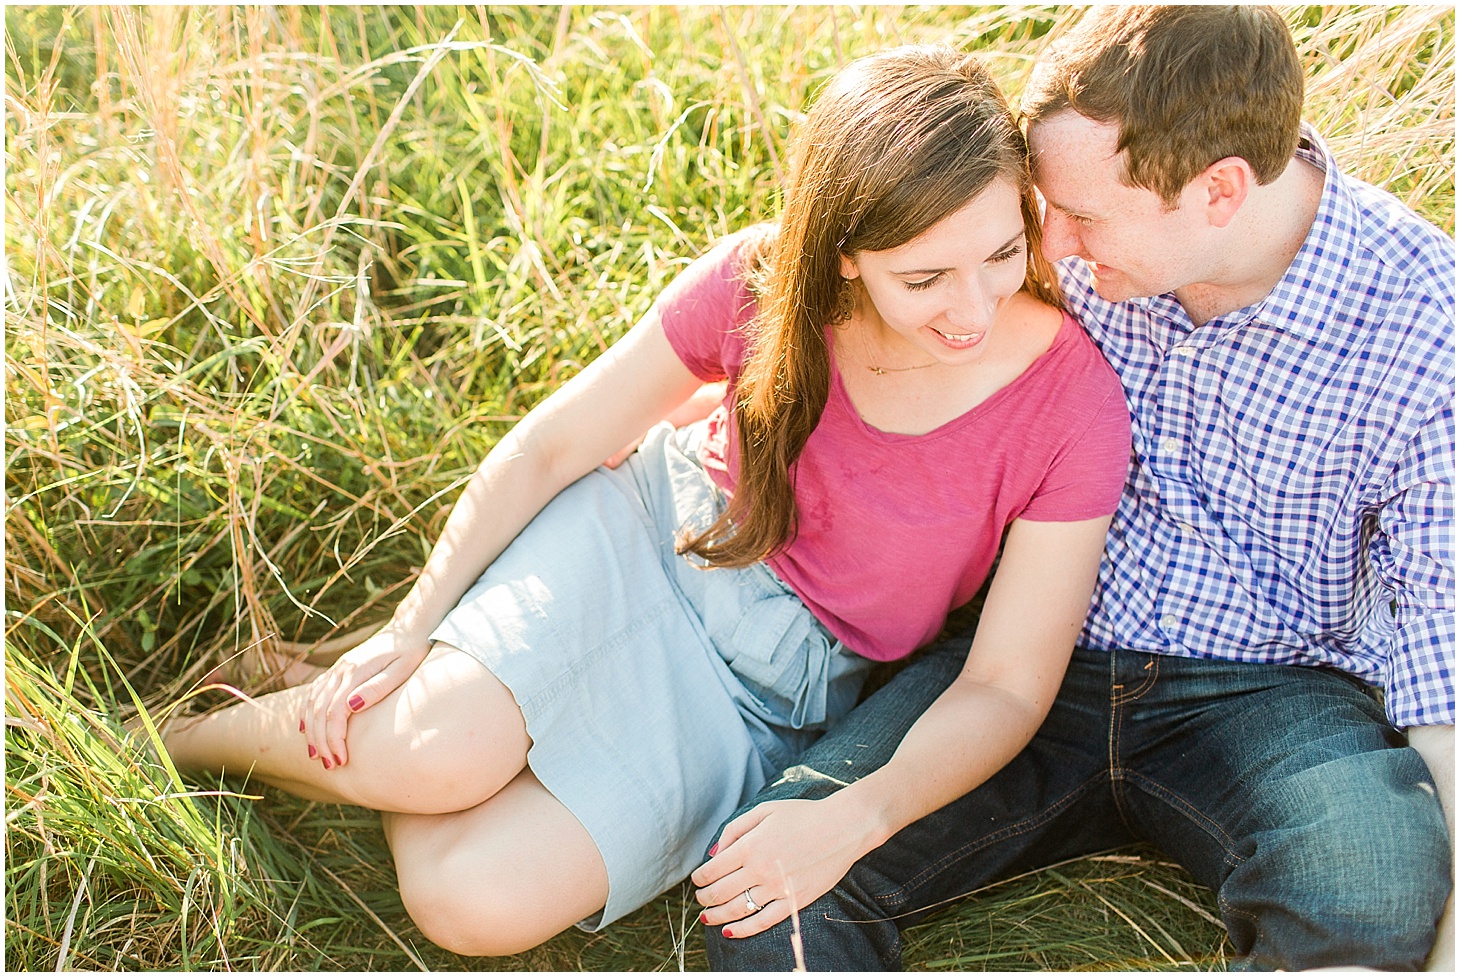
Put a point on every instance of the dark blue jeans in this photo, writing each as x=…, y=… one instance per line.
x=1282, y=788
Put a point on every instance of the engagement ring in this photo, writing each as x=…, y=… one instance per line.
x=750, y=903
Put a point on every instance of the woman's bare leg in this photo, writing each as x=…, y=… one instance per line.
x=262, y=670
x=275, y=664
x=501, y=877
x=449, y=738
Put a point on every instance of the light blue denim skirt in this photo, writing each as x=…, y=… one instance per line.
x=659, y=695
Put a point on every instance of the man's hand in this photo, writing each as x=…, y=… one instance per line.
x=1437, y=745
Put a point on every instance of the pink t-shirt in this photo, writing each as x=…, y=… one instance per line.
x=896, y=530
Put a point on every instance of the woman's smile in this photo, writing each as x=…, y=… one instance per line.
x=965, y=340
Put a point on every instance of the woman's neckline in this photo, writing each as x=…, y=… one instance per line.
x=966, y=416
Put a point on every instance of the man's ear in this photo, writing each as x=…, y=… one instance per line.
x=1225, y=185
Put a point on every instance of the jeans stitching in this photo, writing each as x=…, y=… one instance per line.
x=1112, y=736
x=1112, y=746
x=1188, y=810
x=1117, y=730
x=1229, y=911
x=1002, y=834
x=1153, y=672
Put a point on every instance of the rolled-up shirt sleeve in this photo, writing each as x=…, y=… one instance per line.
x=1413, y=552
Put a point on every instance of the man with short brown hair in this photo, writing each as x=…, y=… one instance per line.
x=1264, y=685
x=1188, y=85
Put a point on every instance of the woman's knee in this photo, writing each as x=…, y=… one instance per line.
x=500, y=878
x=459, y=910
x=445, y=741
x=471, y=931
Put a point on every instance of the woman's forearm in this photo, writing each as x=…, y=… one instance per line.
x=794, y=851
x=966, y=736
x=627, y=388
x=509, y=487
x=1033, y=614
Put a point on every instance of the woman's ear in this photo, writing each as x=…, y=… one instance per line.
x=848, y=267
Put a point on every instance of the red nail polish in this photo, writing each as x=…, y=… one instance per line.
x=326, y=762
x=702, y=918
x=726, y=933
x=301, y=725
x=357, y=702
x=714, y=848
x=313, y=753
x=339, y=762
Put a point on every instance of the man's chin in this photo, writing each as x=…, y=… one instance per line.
x=1111, y=287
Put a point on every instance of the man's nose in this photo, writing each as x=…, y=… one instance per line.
x=1061, y=236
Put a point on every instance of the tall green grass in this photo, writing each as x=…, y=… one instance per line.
x=276, y=279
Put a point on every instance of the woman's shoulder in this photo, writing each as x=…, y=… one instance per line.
x=723, y=269
x=747, y=251
x=753, y=234
x=706, y=311
x=1091, y=385
x=1039, y=322
x=1035, y=331
x=1069, y=375
x=728, y=265
x=1074, y=348
x=745, y=244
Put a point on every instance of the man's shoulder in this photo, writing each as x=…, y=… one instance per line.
x=1400, y=242
x=1077, y=283
x=1397, y=298
x=1390, y=240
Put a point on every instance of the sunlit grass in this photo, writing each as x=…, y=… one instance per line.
x=277, y=278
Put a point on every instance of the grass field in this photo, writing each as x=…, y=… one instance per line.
x=277, y=278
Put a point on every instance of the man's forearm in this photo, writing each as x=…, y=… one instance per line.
x=1437, y=745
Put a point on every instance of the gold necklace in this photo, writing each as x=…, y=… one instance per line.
x=880, y=370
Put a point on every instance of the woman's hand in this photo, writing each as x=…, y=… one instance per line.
x=787, y=854
x=356, y=681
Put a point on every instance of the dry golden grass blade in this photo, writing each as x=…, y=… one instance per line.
x=1381, y=90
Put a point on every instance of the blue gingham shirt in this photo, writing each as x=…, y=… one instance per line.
x=1290, y=497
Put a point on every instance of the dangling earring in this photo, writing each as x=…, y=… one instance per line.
x=846, y=301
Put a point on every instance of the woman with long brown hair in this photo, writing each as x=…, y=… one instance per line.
x=596, y=666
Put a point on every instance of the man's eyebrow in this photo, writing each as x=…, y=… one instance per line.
x=1069, y=211
x=933, y=271
x=1062, y=208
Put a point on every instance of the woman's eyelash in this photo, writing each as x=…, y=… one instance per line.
x=1005, y=255
x=1011, y=252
